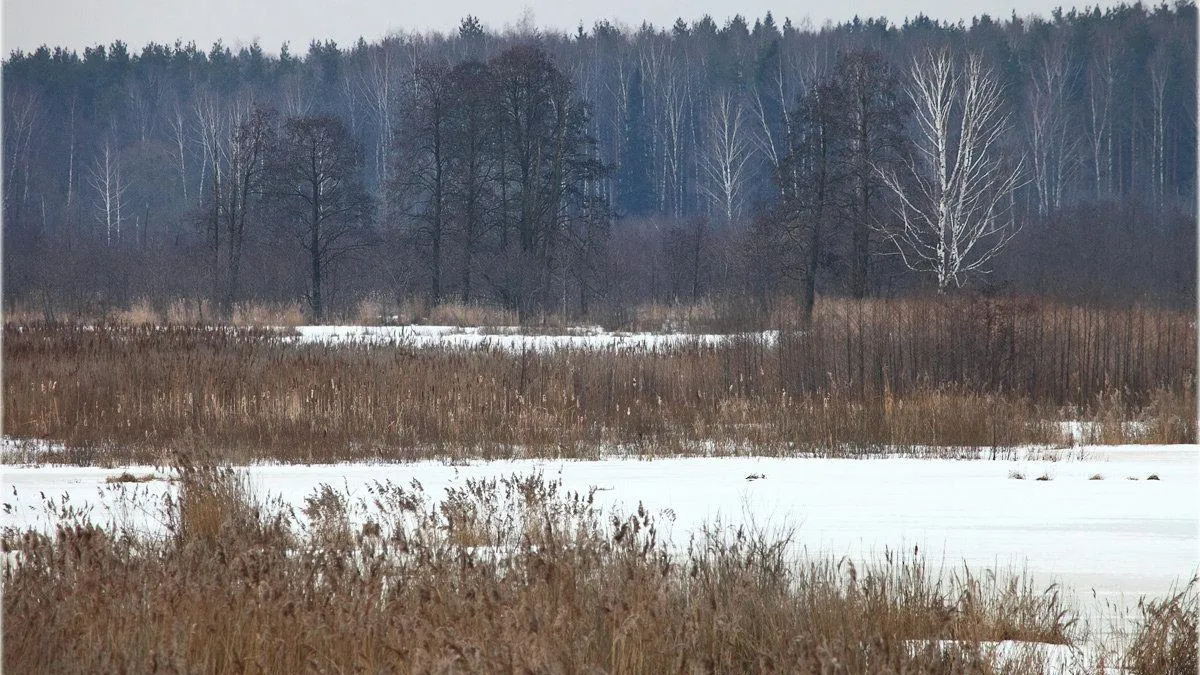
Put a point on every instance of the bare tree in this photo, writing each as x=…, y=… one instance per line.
x=252, y=139
x=105, y=179
x=547, y=169
x=813, y=178
x=177, y=120
x=1160, y=76
x=674, y=92
x=875, y=111
x=380, y=85
x=727, y=156
x=955, y=200
x=1051, y=143
x=1101, y=79
x=22, y=113
x=472, y=163
x=422, y=175
x=72, y=140
x=770, y=95
x=316, y=182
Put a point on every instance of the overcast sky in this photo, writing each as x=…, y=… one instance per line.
x=79, y=23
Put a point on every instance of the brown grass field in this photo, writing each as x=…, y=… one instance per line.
x=915, y=376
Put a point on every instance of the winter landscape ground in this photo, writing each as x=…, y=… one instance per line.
x=724, y=344
x=1044, y=538
x=1110, y=524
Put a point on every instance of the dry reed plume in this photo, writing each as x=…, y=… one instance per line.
x=501, y=576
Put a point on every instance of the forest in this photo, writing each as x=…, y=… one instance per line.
x=586, y=173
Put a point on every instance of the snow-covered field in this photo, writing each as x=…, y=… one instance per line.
x=507, y=338
x=1118, y=537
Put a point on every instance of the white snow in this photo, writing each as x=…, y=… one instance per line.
x=509, y=338
x=1115, y=537
x=1079, y=432
x=1057, y=659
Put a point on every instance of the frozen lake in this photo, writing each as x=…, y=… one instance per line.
x=1115, y=537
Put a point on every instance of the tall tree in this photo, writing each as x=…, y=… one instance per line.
x=473, y=164
x=423, y=171
x=1051, y=143
x=246, y=175
x=955, y=201
x=547, y=168
x=110, y=187
x=817, y=160
x=316, y=181
x=727, y=156
x=871, y=94
x=1101, y=81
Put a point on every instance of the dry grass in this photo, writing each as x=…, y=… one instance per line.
x=850, y=385
x=1165, y=641
x=267, y=315
x=127, y=477
x=505, y=576
x=457, y=314
x=176, y=312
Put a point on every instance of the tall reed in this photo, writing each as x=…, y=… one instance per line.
x=861, y=378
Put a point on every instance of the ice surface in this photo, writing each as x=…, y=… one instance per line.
x=1116, y=537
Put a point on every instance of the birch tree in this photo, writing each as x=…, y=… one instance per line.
x=105, y=179
x=22, y=114
x=954, y=197
x=379, y=85
x=726, y=159
x=1051, y=143
x=1101, y=78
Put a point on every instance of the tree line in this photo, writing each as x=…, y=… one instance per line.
x=564, y=172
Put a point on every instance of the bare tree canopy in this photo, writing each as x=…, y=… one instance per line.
x=605, y=167
x=317, y=187
x=955, y=201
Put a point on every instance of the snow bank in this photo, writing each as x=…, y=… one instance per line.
x=509, y=338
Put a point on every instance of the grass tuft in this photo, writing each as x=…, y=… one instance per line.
x=1164, y=642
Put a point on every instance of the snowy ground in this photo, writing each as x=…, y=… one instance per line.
x=507, y=338
x=1108, y=540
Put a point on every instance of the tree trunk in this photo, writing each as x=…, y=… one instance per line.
x=315, y=250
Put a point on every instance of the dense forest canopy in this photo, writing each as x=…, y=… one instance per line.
x=613, y=166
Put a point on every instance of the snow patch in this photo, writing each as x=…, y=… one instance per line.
x=511, y=338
